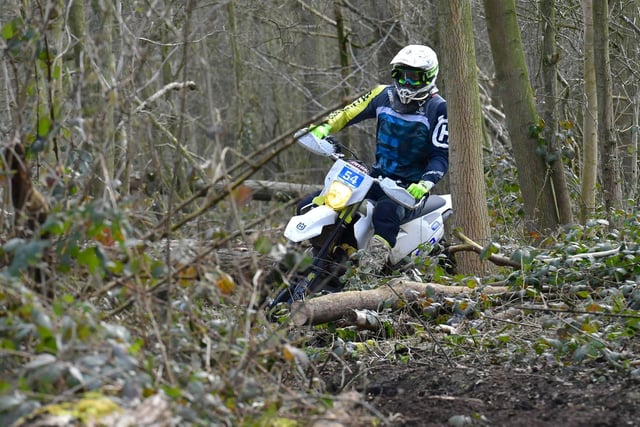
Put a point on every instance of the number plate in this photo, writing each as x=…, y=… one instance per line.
x=351, y=177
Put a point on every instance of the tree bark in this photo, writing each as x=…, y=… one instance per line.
x=465, y=116
x=589, y=119
x=343, y=43
x=625, y=16
x=99, y=103
x=523, y=122
x=550, y=112
x=77, y=27
x=609, y=155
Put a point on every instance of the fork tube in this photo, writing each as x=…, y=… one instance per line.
x=322, y=253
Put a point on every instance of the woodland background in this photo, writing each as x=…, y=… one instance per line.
x=133, y=283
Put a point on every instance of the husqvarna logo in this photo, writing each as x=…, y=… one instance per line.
x=301, y=226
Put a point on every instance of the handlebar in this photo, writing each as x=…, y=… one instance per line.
x=321, y=147
x=330, y=147
x=399, y=194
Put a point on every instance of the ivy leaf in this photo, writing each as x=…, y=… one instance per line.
x=38, y=145
x=40, y=361
x=24, y=255
x=522, y=256
x=487, y=251
x=44, y=127
x=263, y=245
x=89, y=258
x=8, y=30
x=173, y=392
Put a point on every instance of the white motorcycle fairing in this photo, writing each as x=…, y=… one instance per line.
x=363, y=228
x=310, y=224
x=424, y=230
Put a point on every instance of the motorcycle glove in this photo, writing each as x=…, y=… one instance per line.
x=321, y=131
x=419, y=189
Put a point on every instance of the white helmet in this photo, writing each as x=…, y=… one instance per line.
x=414, y=71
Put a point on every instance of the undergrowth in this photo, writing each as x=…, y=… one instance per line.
x=128, y=318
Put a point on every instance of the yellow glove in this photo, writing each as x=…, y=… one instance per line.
x=419, y=189
x=321, y=131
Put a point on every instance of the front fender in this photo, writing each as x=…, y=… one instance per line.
x=310, y=224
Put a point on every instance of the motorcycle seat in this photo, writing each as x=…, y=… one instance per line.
x=430, y=204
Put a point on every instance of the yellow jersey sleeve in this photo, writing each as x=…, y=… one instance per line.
x=341, y=118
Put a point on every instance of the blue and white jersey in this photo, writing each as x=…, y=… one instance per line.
x=410, y=146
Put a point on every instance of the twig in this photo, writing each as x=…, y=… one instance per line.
x=501, y=260
x=631, y=24
x=160, y=342
x=4, y=352
x=171, y=86
x=585, y=255
x=561, y=310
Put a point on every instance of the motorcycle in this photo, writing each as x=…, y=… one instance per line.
x=339, y=222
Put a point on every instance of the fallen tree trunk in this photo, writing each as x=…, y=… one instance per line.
x=332, y=307
x=273, y=190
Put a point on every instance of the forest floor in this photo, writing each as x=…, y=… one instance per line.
x=431, y=392
x=431, y=388
x=434, y=394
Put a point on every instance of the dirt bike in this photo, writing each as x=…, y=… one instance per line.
x=339, y=222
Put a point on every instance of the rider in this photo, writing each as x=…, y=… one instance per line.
x=412, y=144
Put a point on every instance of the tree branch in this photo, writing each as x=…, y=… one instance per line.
x=171, y=86
x=470, y=245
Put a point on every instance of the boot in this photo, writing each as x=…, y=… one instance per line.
x=376, y=255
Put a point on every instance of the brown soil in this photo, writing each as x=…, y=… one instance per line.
x=434, y=393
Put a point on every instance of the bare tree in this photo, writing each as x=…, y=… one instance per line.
x=549, y=108
x=624, y=54
x=590, y=120
x=609, y=153
x=529, y=149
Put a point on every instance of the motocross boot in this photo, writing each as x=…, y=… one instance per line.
x=375, y=257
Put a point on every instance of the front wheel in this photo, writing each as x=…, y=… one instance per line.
x=323, y=276
x=294, y=292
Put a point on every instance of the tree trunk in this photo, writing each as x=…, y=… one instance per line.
x=590, y=120
x=550, y=112
x=343, y=43
x=514, y=87
x=102, y=98
x=465, y=114
x=609, y=155
x=51, y=95
x=633, y=193
x=77, y=27
x=236, y=63
x=624, y=46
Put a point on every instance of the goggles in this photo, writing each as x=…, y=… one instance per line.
x=409, y=77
